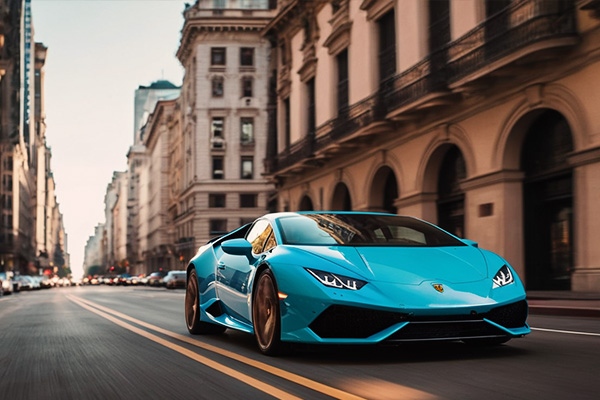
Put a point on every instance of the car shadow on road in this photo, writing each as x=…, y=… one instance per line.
x=413, y=352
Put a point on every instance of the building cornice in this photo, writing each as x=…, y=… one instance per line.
x=196, y=26
x=493, y=178
x=584, y=157
x=156, y=119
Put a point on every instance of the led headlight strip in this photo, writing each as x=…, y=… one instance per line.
x=503, y=277
x=336, y=281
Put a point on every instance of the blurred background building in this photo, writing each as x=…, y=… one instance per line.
x=32, y=235
x=224, y=102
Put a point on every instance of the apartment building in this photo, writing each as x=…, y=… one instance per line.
x=32, y=237
x=224, y=99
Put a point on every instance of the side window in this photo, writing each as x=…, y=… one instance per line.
x=258, y=235
x=271, y=242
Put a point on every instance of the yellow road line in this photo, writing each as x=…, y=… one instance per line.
x=268, y=389
x=298, y=379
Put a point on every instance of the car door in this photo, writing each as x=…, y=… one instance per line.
x=234, y=273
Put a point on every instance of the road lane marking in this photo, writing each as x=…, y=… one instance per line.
x=568, y=332
x=266, y=388
x=290, y=376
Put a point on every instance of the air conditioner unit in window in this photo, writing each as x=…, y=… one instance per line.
x=217, y=143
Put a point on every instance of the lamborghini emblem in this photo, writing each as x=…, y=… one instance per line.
x=439, y=287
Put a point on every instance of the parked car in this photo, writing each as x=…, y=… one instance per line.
x=352, y=278
x=64, y=282
x=122, y=279
x=45, y=282
x=35, y=284
x=157, y=278
x=135, y=279
x=25, y=281
x=6, y=284
x=175, y=279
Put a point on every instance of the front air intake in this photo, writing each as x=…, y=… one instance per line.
x=345, y=322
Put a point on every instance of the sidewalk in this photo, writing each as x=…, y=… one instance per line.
x=564, y=303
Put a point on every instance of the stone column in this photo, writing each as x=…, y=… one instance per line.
x=420, y=205
x=586, y=202
x=494, y=215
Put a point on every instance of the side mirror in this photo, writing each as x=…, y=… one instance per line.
x=238, y=247
x=470, y=243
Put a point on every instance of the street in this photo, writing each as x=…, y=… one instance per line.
x=131, y=343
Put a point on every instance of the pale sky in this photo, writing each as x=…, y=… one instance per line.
x=99, y=53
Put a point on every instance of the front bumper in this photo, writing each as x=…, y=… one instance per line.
x=395, y=313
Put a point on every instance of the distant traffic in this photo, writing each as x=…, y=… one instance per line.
x=161, y=278
x=11, y=283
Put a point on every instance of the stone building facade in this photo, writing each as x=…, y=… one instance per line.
x=146, y=99
x=223, y=138
x=32, y=237
x=158, y=228
x=480, y=116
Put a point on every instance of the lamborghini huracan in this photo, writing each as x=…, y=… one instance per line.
x=352, y=278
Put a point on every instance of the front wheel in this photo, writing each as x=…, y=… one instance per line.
x=266, y=317
x=192, y=309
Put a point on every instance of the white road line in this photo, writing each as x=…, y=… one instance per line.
x=568, y=332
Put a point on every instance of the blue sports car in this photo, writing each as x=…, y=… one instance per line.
x=354, y=278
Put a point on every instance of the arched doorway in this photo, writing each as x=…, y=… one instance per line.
x=548, y=203
x=451, y=199
x=306, y=204
x=384, y=191
x=341, y=200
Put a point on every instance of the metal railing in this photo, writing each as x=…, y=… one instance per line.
x=523, y=23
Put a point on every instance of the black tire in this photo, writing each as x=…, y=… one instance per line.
x=266, y=316
x=487, y=342
x=192, y=309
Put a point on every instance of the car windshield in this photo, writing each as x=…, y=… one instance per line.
x=362, y=230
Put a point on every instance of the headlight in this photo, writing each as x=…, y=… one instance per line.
x=336, y=281
x=503, y=277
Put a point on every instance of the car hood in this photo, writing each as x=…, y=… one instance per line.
x=406, y=265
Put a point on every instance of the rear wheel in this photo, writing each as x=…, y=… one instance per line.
x=266, y=317
x=192, y=309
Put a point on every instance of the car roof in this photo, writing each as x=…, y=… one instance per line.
x=274, y=216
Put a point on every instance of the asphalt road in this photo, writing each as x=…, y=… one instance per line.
x=131, y=343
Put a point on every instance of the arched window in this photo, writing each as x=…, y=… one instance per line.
x=451, y=199
x=548, y=203
x=341, y=200
x=306, y=204
x=384, y=191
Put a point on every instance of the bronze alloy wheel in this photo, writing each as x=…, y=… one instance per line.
x=191, y=302
x=192, y=309
x=265, y=314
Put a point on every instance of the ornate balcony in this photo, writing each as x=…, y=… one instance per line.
x=523, y=29
x=295, y=155
x=420, y=86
